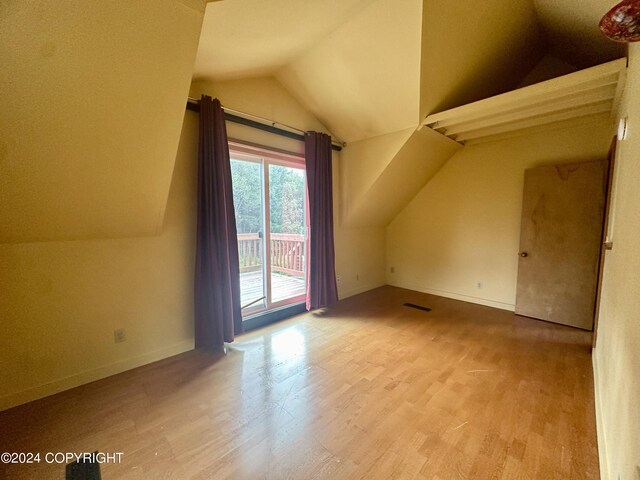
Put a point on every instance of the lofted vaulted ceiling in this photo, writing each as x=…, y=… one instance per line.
x=93, y=93
x=373, y=74
x=362, y=66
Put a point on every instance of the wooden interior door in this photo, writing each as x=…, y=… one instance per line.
x=560, y=241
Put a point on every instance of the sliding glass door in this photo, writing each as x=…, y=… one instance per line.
x=269, y=196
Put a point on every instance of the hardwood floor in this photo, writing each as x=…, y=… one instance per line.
x=368, y=390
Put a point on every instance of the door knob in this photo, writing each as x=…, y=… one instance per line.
x=523, y=254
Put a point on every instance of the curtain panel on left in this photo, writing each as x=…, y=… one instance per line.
x=218, y=316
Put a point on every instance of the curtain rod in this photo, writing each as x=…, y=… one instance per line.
x=260, y=123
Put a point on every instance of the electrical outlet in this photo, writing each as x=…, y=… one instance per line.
x=119, y=335
x=479, y=285
x=338, y=279
x=392, y=269
x=357, y=276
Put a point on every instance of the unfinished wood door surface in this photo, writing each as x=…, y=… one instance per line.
x=560, y=239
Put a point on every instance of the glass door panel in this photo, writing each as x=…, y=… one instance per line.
x=247, y=178
x=269, y=196
x=287, y=196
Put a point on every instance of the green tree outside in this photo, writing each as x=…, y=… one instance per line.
x=286, y=197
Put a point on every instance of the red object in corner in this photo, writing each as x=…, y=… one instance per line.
x=622, y=22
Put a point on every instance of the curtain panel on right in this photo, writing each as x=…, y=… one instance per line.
x=322, y=289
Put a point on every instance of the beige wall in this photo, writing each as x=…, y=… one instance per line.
x=617, y=354
x=61, y=301
x=463, y=228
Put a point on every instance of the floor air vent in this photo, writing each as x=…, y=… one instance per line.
x=417, y=307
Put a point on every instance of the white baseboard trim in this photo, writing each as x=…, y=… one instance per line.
x=14, y=399
x=357, y=291
x=602, y=444
x=456, y=296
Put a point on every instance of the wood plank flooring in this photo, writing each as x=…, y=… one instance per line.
x=367, y=390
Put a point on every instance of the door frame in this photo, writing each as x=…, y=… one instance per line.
x=606, y=243
x=265, y=157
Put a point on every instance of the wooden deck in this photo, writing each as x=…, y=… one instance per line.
x=282, y=286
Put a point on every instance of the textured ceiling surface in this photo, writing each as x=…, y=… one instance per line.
x=92, y=104
x=363, y=79
x=571, y=31
x=474, y=50
x=243, y=38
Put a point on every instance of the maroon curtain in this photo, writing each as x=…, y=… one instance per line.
x=322, y=288
x=217, y=278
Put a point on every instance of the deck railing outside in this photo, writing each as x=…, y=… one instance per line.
x=249, y=251
x=287, y=253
